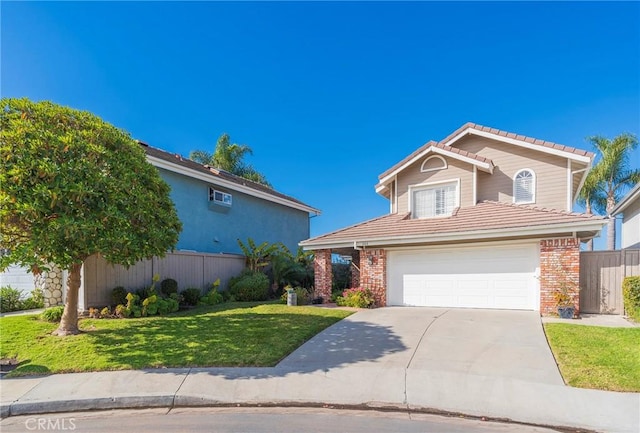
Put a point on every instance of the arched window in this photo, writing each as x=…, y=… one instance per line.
x=433, y=163
x=524, y=186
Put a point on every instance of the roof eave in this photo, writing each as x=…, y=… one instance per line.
x=585, y=159
x=626, y=201
x=545, y=230
x=210, y=178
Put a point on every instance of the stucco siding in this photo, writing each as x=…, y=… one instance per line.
x=455, y=170
x=631, y=226
x=550, y=172
x=214, y=228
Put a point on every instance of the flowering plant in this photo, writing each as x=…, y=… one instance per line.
x=358, y=297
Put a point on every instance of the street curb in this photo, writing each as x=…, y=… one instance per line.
x=98, y=404
x=106, y=403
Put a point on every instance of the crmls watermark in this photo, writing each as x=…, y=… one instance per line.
x=50, y=424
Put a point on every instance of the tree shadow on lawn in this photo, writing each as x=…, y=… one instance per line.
x=224, y=345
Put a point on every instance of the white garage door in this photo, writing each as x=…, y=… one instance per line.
x=472, y=277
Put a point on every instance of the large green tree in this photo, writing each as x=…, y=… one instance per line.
x=610, y=178
x=72, y=185
x=230, y=157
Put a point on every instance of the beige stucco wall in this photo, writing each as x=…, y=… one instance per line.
x=455, y=170
x=630, y=235
x=550, y=172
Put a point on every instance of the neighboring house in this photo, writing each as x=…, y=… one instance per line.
x=481, y=219
x=629, y=207
x=217, y=208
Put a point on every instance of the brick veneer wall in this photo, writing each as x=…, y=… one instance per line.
x=559, y=265
x=323, y=274
x=374, y=275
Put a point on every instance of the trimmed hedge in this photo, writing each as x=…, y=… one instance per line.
x=631, y=296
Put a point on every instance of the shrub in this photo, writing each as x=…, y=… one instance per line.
x=53, y=314
x=358, y=297
x=10, y=299
x=212, y=298
x=249, y=286
x=145, y=292
x=631, y=296
x=105, y=312
x=191, y=296
x=168, y=286
x=303, y=296
x=36, y=300
x=121, y=311
x=119, y=295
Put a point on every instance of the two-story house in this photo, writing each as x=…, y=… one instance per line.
x=217, y=208
x=481, y=219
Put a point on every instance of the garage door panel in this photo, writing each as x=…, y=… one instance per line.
x=497, y=277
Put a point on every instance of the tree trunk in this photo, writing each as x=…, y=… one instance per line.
x=611, y=233
x=611, y=225
x=69, y=322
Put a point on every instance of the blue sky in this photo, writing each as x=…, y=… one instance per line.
x=330, y=94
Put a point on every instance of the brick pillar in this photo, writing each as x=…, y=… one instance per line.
x=355, y=268
x=322, y=274
x=373, y=274
x=559, y=266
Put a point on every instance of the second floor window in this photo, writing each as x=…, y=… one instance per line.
x=219, y=197
x=434, y=201
x=524, y=187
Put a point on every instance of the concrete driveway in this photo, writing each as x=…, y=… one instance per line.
x=485, y=343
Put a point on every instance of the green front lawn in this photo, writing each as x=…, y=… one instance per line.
x=597, y=357
x=237, y=334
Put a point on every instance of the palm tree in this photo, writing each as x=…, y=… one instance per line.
x=229, y=157
x=592, y=198
x=612, y=177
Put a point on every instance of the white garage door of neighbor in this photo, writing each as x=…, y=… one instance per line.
x=474, y=277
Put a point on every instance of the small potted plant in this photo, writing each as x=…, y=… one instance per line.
x=564, y=302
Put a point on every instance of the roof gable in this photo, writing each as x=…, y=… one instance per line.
x=432, y=147
x=447, y=146
x=176, y=163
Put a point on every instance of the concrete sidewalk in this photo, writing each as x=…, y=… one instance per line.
x=407, y=359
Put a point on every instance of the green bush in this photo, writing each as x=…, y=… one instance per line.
x=122, y=311
x=303, y=296
x=358, y=297
x=168, y=286
x=191, y=296
x=119, y=295
x=53, y=314
x=10, y=299
x=249, y=286
x=212, y=298
x=631, y=296
x=35, y=300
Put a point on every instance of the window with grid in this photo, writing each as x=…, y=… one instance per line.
x=433, y=201
x=524, y=187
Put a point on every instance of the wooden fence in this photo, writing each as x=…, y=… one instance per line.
x=187, y=268
x=601, y=275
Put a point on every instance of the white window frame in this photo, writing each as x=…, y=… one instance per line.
x=533, y=186
x=430, y=185
x=427, y=170
x=225, y=199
